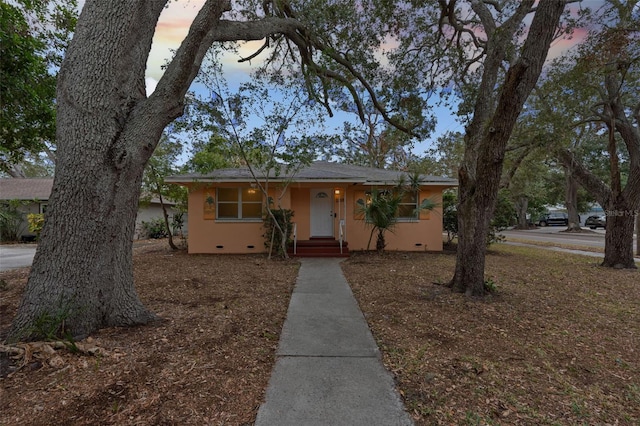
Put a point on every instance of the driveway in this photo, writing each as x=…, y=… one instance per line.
x=16, y=256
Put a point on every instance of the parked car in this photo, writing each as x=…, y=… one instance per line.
x=594, y=222
x=553, y=218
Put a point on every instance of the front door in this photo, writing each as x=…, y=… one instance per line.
x=322, y=213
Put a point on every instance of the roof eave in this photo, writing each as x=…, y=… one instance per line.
x=305, y=180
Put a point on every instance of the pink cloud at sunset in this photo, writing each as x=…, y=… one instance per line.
x=562, y=45
x=172, y=28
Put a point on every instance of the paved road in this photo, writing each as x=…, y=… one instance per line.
x=554, y=234
x=16, y=256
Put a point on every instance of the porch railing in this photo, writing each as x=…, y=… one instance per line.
x=295, y=238
x=341, y=233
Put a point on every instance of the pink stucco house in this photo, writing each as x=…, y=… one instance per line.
x=226, y=208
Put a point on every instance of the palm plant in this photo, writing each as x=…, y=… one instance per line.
x=381, y=213
x=381, y=209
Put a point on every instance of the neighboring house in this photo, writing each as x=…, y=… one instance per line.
x=151, y=210
x=33, y=195
x=226, y=208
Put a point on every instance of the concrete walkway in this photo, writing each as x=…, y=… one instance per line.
x=328, y=369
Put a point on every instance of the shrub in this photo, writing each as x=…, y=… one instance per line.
x=450, y=215
x=10, y=221
x=177, y=222
x=155, y=228
x=36, y=222
x=283, y=217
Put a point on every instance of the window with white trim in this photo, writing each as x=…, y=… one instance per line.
x=239, y=203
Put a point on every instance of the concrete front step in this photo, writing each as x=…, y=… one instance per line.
x=344, y=254
x=320, y=248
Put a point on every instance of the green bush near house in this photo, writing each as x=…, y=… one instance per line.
x=154, y=229
x=36, y=223
x=272, y=236
x=10, y=221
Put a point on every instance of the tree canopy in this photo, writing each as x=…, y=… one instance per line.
x=33, y=35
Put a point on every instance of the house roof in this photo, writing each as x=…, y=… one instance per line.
x=25, y=189
x=38, y=189
x=319, y=171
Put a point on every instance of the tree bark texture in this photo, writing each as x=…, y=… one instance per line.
x=488, y=133
x=571, y=200
x=107, y=129
x=638, y=233
x=522, y=204
x=618, y=245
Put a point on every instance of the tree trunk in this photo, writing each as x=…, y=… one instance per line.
x=380, y=242
x=619, y=208
x=571, y=201
x=165, y=215
x=618, y=248
x=487, y=136
x=522, y=204
x=82, y=274
x=637, y=233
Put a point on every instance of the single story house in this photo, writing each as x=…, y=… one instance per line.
x=226, y=207
x=33, y=197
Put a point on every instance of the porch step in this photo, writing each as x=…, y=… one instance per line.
x=320, y=247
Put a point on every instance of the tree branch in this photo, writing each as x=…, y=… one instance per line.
x=306, y=42
x=186, y=63
x=13, y=170
x=256, y=53
x=483, y=12
x=585, y=177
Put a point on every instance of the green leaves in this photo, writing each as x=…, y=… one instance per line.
x=27, y=90
x=33, y=36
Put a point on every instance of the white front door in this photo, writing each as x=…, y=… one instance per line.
x=322, y=213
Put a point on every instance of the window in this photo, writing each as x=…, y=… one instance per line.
x=239, y=203
x=407, y=208
x=408, y=205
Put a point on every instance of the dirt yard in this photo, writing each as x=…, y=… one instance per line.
x=207, y=362
x=557, y=344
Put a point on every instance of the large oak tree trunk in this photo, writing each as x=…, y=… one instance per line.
x=487, y=136
x=618, y=248
x=637, y=233
x=107, y=128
